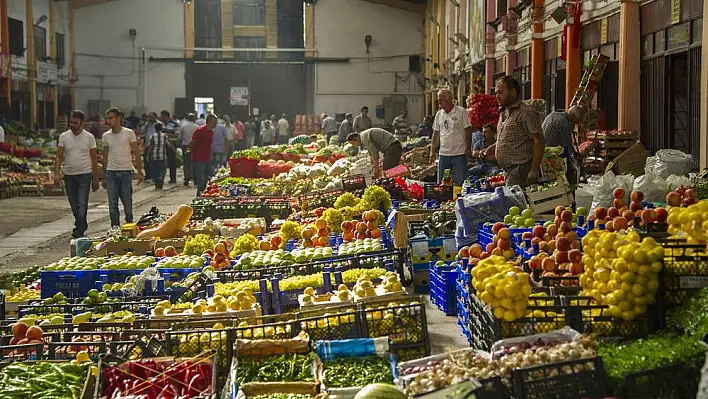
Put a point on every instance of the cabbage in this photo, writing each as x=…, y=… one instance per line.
x=351, y=150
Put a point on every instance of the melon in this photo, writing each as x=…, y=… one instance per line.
x=380, y=391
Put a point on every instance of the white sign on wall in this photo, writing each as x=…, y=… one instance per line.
x=239, y=96
x=46, y=72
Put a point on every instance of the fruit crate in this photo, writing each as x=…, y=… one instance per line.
x=191, y=343
x=21, y=353
x=284, y=300
x=491, y=388
x=486, y=329
x=584, y=378
x=548, y=200
x=443, y=288
x=405, y=324
x=587, y=316
x=675, y=381
x=120, y=276
x=685, y=270
x=72, y=283
x=328, y=324
x=68, y=350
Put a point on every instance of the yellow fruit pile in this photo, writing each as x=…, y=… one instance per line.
x=502, y=286
x=690, y=222
x=23, y=295
x=621, y=272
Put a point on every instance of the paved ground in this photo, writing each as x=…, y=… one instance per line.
x=36, y=231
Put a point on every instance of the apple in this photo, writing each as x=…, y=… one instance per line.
x=527, y=235
x=618, y=203
x=561, y=257
x=673, y=199
x=562, y=244
x=681, y=190
x=464, y=252
x=527, y=213
x=688, y=201
x=536, y=240
x=539, y=231
x=636, y=196
x=566, y=216
x=613, y=212
x=552, y=230
x=566, y=227
x=548, y=264
x=576, y=268
x=601, y=213
x=504, y=244
x=610, y=225
x=483, y=255
x=618, y=193
x=559, y=210
x=574, y=256
x=535, y=262
x=661, y=215
x=691, y=193
x=634, y=206
x=497, y=226
x=582, y=211
x=347, y=226
x=619, y=223
x=628, y=215
x=648, y=216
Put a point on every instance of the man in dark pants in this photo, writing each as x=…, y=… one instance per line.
x=77, y=152
x=170, y=127
x=183, y=139
x=200, y=147
x=377, y=141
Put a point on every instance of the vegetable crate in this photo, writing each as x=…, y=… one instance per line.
x=547, y=200
x=47, y=379
x=541, y=317
x=443, y=288
x=675, y=381
x=68, y=350
x=403, y=321
x=192, y=343
x=584, y=378
x=72, y=283
x=587, y=316
x=685, y=270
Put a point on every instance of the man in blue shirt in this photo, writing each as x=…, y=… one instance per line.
x=218, y=147
x=481, y=140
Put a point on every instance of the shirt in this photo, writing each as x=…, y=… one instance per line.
x=186, y=132
x=158, y=145
x=451, y=126
x=2, y=135
x=558, y=129
x=202, y=137
x=201, y=122
x=376, y=140
x=517, y=126
x=361, y=123
x=329, y=125
x=267, y=135
x=120, y=157
x=283, y=126
x=344, y=130
x=239, y=130
x=218, y=143
x=401, y=127
x=77, y=152
x=149, y=130
x=230, y=132
x=478, y=143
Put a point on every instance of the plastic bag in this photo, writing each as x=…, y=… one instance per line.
x=605, y=187
x=474, y=208
x=673, y=162
x=673, y=182
x=652, y=186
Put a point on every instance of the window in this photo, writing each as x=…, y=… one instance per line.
x=59, y=43
x=249, y=42
x=17, y=34
x=249, y=12
x=501, y=8
x=40, y=43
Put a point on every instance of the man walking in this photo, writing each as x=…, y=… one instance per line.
x=170, y=127
x=158, y=150
x=329, y=126
x=183, y=139
x=362, y=121
x=452, y=138
x=345, y=128
x=251, y=137
x=218, y=147
x=200, y=146
x=77, y=152
x=283, y=130
x=120, y=154
x=147, y=131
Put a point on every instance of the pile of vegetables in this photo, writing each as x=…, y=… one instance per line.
x=376, y=197
x=356, y=372
x=43, y=380
x=280, y=368
x=153, y=380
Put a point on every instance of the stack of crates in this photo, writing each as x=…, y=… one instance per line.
x=443, y=291
x=424, y=252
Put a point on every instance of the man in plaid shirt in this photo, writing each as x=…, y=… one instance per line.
x=157, y=153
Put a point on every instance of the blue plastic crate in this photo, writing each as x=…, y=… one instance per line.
x=281, y=301
x=443, y=290
x=72, y=283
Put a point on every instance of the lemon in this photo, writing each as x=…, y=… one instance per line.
x=499, y=313
x=486, y=297
x=655, y=267
x=507, y=303
x=625, y=305
x=613, y=311
x=652, y=285
x=602, y=288
x=628, y=278
x=639, y=309
x=628, y=315
x=611, y=299
x=510, y=315
x=638, y=290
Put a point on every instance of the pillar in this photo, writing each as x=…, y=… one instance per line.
x=572, y=63
x=537, y=51
x=703, y=161
x=31, y=62
x=511, y=39
x=72, y=56
x=189, y=29
x=271, y=28
x=5, y=48
x=489, y=48
x=628, y=111
x=227, y=27
x=53, y=56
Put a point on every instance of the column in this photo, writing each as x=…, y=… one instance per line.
x=31, y=62
x=5, y=48
x=703, y=161
x=537, y=51
x=628, y=111
x=572, y=63
x=489, y=48
x=72, y=57
x=53, y=56
x=227, y=27
x=512, y=21
x=189, y=29
x=271, y=29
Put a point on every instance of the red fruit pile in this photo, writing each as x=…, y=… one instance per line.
x=483, y=109
x=23, y=334
x=682, y=197
x=619, y=216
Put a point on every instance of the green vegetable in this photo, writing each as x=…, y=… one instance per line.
x=43, y=380
x=356, y=372
x=376, y=197
x=692, y=315
x=279, y=368
x=198, y=244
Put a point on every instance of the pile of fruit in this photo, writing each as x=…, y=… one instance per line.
x=16, y=280
x=198, y=244
x=368, y=228
x=620, y=216
x=682, y=196
x=361, y=246
x=501, y=244
x=690, y=222
x=24, y=334
x=23, y=295
x=181, y=262
x=365, y=288
x=502, y=286
x=621, y=272
x=75, y=263
x=516, y=218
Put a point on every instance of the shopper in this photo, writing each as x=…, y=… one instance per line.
x=120, y=155
x=452, y=138
x=252, y=136
x=268, y=134
x=200, y=147
x=329, y=126
x=377, y=141
x=520, y=142
x=402, y=130
x=219, y=144
x=170, y=126
x=559, y=131
x=77, y=153
x=362, y=121
x=345, y=128
x=148, y=129
x=283, y=130
x=158, y=150
x=183, y=138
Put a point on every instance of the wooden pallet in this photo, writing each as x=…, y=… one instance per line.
x=547, y=200
x=54, y=190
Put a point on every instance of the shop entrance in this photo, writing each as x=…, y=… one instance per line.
x=679, y=136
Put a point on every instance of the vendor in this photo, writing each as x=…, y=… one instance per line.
x=558, y=131
x=520, y=144
x=484, y=165
x=377, y=140
x=452, y=138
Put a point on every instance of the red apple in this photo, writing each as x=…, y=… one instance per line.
x=681, y=190
x=562, y=244
x=691, y=193
x=634, y=206
x=535, y=262
x=673, y=199
x=618, y=193
x=539, y=231
x=504, y=244
x=661, y=215
x=688, y=201
x=576, y=268
x=548, y=264
x=497, y=226
x=601, y=213
x=613, y=212
x=566, y=227
x=526, y=235
x=561, y=256
x=636, y=196
x=574, y=255
x=567, y=216
x=618, y=203
x=648, y=216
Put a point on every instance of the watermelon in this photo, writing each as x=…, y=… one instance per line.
x=380, y=391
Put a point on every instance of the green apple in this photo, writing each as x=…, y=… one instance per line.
x=514, y=211
x=527, y=213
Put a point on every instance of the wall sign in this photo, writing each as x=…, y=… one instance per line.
x=675, y=11
x=678, y=36
x=560, y=46
x=239, y=96
x=603, y=31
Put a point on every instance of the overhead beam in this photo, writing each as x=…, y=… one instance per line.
x=401, y=5
x=87, y=3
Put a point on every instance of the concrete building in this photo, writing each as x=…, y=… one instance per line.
x=374, y=59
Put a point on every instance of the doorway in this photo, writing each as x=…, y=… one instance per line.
x=204, y=105
x=679, y=134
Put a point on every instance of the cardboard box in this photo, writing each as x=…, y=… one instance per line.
x=178, y=243
x=137, y=247
x=630, y=161
x=398, y=222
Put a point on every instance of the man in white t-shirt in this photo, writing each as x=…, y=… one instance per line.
x=452, y=138
x=120, y=154
x=283, y=130
x=2, y=135
x=77, y=152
